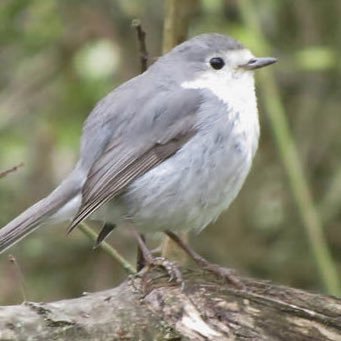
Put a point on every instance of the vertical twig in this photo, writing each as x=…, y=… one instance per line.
x=290, y=158
x=141, y=37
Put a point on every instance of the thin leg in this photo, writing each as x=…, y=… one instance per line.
x=219, y=271
x=151, y=261
x=140, y=262
x=143, y=249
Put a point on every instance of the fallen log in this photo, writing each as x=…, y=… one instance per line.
x=152, y=308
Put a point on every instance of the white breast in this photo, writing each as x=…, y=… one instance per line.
x=192, y=188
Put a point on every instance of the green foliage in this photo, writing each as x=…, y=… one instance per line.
x=316, y=58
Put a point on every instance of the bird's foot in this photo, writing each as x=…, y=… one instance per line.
x=170, y=267
x=148, y=261
x=226, y=274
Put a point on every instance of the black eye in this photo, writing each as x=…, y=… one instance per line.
x=217, y=63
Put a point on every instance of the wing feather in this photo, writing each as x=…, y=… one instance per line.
x=156, y=132
x=115, y=185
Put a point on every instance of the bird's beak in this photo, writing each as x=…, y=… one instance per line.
x=257, y=63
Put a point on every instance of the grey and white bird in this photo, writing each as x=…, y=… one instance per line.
x=167, y=151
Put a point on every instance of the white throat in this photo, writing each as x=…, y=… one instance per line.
x=237, y=91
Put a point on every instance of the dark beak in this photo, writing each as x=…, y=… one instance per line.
x=257, y=63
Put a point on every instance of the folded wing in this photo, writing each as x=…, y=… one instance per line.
x=156, y=132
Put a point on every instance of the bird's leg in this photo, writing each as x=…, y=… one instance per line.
x=140, y=261
x=219, y=271
x=151, y=261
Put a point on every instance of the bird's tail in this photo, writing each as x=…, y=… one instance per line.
x=37, y=214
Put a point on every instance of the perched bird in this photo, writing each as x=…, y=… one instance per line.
x=166, y=151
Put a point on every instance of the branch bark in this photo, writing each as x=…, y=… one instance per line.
x=178, y=14
x=152, y=308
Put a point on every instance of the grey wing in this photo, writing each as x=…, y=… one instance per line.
x=155, y=133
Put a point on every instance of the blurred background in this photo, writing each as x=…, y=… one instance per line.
x=58, y=57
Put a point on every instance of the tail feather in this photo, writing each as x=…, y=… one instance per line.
x=37, y=214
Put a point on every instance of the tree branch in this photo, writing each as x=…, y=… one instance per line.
x=152, y=308
x=141, y=37
x=11, y=170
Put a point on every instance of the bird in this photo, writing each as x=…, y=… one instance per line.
x=166, y=151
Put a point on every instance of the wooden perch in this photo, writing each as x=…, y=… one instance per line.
x=152, y=308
